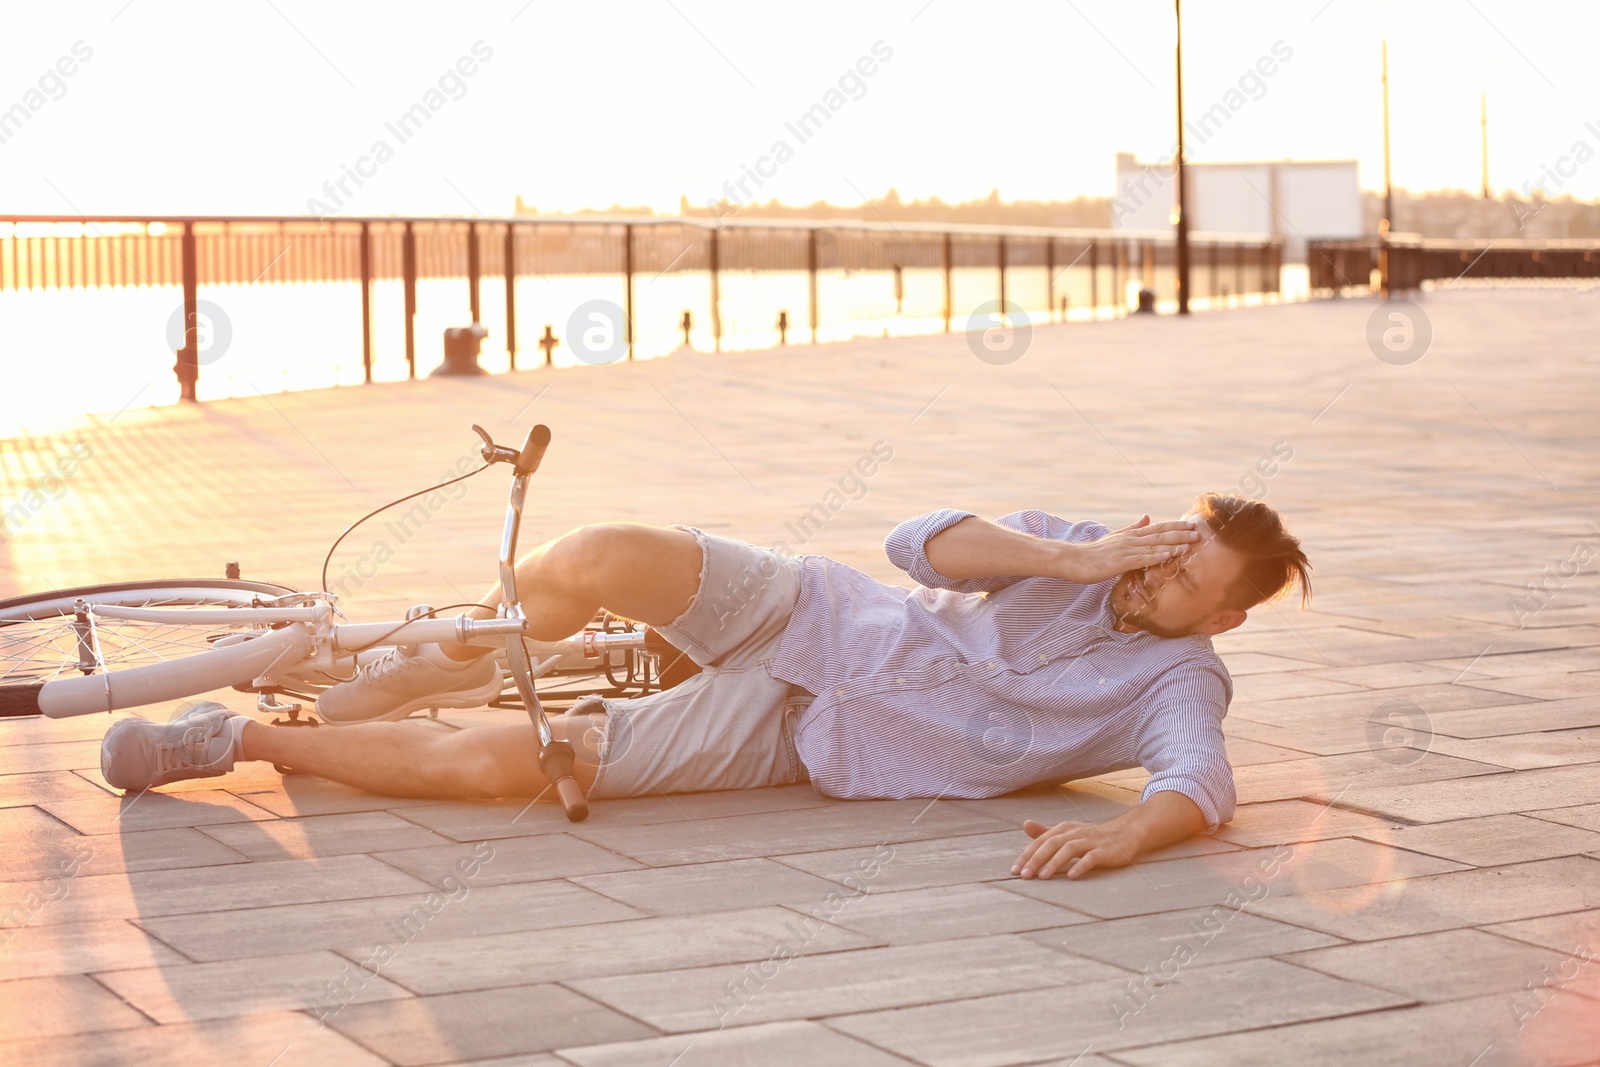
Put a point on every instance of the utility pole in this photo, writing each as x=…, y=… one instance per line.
x=1183, y=205
x=1387, y=222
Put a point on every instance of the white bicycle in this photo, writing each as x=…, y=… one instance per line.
x=106, y=648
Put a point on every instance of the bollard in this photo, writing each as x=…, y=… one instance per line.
x=548, y=342
x=461, y=346
x=783, y=327
x=687, y=324
x=1147, y=301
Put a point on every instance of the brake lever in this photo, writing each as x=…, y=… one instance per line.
x=493, y=453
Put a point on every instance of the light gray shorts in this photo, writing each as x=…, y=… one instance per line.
x=732, y=725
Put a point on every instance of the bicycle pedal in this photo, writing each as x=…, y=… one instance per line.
x=294, y=719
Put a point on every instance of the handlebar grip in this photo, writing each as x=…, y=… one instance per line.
x=572, y=799
x=555, y=761
x=533, y=449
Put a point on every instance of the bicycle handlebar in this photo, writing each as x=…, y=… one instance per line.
x=533, y=449
x=354, y=637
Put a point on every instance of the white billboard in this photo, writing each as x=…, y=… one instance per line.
x=1290, y=199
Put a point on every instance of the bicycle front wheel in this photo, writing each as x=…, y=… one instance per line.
x=42, y=637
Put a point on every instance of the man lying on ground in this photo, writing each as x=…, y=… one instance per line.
x=1035, y=650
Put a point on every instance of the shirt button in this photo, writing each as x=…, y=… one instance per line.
x=899, y=681
x=840, y=692
x=1101, y=682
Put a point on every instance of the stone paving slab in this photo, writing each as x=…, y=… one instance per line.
x=96, y=815
x=1427, y=857
x=1218, y=934
x=1265, y=874
x=702, y=887
x=619, y=947
x=1021, y=1027
x=1493, y=841
x=1445, y=965
x=710, y=998
x=260, y=983
x=1481, y=1031
x=521, y=1019
x=1444, y=901
x=245, y=1039
x=176, y=891
x=36, y=950
x=326, y=835
x=363, y=926
x=55, y=1007
x=138, y=850
x=775, y=1045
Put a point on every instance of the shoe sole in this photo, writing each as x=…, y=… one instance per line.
x=472, y=698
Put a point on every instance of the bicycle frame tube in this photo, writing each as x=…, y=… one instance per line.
x=173, y=679
x=212, y=616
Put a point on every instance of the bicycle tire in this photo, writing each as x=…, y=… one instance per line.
x=38, y=643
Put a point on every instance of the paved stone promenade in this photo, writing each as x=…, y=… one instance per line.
x=1413, y=875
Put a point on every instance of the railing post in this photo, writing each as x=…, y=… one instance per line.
x=1094, y=278
x=474, y=268
x=408, y=271
x=1211, y=279
x=811, y=271
x=627, y=281
x=366, y=302
x=1119, y=274
x=188, y=365
x=716, y=289
x=1001, y=256
x=1050, y=277
x=511, y=292
x=948, y=267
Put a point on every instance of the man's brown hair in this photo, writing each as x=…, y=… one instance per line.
x=1273, y=558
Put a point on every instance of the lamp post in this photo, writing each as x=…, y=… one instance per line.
x=1183, y=205
x=1386, y=223
x=1483, y=121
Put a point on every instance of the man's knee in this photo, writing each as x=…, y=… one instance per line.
x=581, y=556
x=594, y=557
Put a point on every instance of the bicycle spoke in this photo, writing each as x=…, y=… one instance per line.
x=46, y=648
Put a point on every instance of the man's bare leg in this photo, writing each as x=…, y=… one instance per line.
x=415, y=760
x=645, y=573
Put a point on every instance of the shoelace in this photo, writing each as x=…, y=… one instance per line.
x=182, y=753
x=391, y=664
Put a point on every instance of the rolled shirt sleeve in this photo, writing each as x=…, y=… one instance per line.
x=1184, y=749
x=907, y=544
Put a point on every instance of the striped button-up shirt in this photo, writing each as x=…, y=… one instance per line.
x=977, y=687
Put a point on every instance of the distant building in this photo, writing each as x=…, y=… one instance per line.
x=1289, y=199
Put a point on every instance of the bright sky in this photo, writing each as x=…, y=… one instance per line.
x=249, y=107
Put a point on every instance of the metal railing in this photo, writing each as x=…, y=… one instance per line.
x=81, y=252
x=1412, y=259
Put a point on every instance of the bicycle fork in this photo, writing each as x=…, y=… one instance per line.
x=555, y=757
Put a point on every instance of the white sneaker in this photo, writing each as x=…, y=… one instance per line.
x=407, y=678
x=137, y=754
